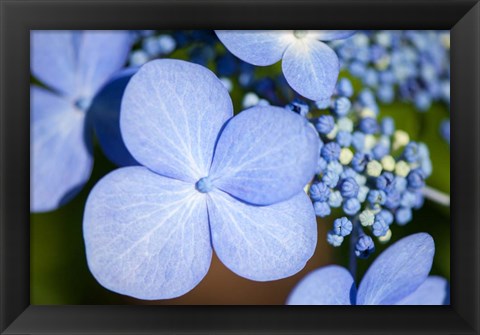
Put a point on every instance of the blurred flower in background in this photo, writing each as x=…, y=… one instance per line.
x=72, y=67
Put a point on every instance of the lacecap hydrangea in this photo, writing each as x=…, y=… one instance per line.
x=372, y=171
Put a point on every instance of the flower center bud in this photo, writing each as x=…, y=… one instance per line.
x=300, y=33
x=204, y=185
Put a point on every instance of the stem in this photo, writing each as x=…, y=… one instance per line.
x=436, y=196
x=352, y=262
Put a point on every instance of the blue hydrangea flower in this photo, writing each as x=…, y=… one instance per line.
x=207, y=181
x=310, y=66
x=399, y=276
x=369, y=168
x=74, y=65
x=416, y=64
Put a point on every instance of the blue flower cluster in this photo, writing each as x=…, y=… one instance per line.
x=413, y=64
x=366, y=167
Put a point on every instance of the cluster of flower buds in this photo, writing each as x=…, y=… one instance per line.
x=415, y=64
x=366, y=167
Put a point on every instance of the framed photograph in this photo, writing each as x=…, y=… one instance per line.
x=157, y=154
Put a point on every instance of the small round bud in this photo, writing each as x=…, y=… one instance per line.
x=331, y=151
x=358, y=141
x=342, y=226
x=331, y=135
x=345, y=124
x=351, y=206
x=335, y=199
x=376, y=197
x=348, y=187
x=385, y=238
x=388, y=163
x=370, y=142
x=379, y=227
x=362, y=193
x=410, y=153
x=319, y=192
x=403, y=215
x=387, y=126
x=367, y=113
x=325, y=124
x=345, y=87
x=344, y=138
x=402, y=169
x=366, y=218
x=400, y=139
x=415, y=179
x=364, y=246
x=380, y=150
x=334, y=240
x=331, y=178
x=385, y=182
x=368, y=125
x=374, y=168
x=386, y=215
x=346, y=156
x=322, y=209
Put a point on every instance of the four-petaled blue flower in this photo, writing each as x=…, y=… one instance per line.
x=207, y=181
x=310, y=66
x=74, y=65
x=399, y=276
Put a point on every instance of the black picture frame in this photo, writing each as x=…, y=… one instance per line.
x=17, y=17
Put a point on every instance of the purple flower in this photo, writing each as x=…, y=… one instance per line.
x=399, y=276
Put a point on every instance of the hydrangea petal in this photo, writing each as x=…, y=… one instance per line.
x=105, y=111
x=330, y=285
x=61, y=160
x=172, y=112
x=329, y=35
x=398, y=271
x=146, y=235
x=311, y=68
x=101, y=54
x=262, y=242
x=265, y=155
x=434, y=291
x=257, y=47
x=54, y=58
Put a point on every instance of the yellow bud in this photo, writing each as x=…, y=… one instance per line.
x=388, y=163
x=370, y=142
x=346, y=156
x=386, y=238
x=331, y=135
x=402, y=169
x=400, y=139
x=383, y=63
x=374, y=169
x=367, y=112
